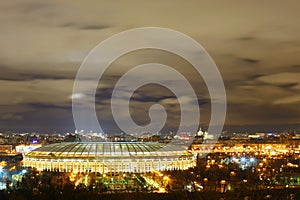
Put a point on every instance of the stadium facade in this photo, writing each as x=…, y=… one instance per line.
x=110, y=157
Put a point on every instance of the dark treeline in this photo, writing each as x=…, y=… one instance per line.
x=57, y=186
x=283, y=194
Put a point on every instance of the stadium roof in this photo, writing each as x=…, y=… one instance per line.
x=97, y=150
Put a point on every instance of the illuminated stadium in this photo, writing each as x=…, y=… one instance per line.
x=109, y=157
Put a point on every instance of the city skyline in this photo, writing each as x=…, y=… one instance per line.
x=255, y=46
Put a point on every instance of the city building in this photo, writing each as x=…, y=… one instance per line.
x=26, y=148
x=5, y=149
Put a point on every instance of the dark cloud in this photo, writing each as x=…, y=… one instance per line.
x=14, y=74
x=247, y=38
x=295, y=68
x=145, y=98
x=43, y=106
x=29, y=77
x=103, y=95
x=84, y=26
x=255, y=76
x=282, y=78
x=203, y=101
x=288, y=85
x=250, y=60
x=93, y=27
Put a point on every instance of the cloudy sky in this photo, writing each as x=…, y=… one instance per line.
x=255, y=44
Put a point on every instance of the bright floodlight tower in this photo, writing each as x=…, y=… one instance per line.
x=110, y=157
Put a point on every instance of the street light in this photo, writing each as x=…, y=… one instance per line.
x=223, y=183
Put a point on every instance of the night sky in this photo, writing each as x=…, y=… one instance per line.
x=255, y=44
